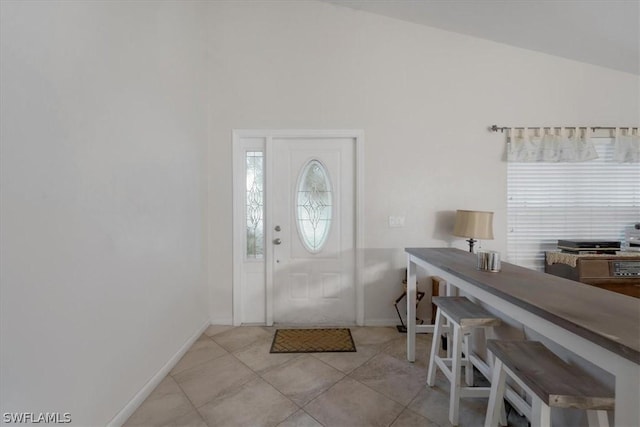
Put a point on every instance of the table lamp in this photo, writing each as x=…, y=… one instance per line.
x=474, y=225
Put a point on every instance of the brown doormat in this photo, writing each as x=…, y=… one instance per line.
x=312, y=341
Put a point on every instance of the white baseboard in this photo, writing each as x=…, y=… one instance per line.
x=382, y=322
x=392, y=321
x=146, y=390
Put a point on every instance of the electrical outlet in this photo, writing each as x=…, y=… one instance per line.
x=396, y=221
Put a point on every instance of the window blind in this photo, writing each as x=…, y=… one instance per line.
x=587, y=200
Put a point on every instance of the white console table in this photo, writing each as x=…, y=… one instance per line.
x=600, y=326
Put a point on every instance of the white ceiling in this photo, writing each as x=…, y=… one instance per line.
x=600, y=32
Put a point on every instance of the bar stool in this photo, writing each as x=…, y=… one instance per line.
x=549, y=380
x=463, y=316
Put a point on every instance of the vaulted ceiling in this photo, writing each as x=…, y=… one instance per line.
x=600, y=32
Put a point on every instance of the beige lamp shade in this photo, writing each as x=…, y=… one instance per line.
x=474, y=224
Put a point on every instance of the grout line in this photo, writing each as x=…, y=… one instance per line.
x=268, y=370
x=378, y=349
x=197, y=364
x=312, y=417
x=192, y=404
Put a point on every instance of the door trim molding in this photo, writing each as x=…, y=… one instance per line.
x=238, y=231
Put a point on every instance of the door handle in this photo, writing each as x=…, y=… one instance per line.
x=277, y=241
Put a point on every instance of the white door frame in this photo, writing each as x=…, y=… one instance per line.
x=238, y=209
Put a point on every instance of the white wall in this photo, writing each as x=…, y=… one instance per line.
x=104, y=163
x=424, y=98
x=103, y=250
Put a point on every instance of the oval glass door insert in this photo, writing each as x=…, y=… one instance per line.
x=314, y=207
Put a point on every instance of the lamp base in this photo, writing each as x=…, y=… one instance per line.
x=472, y=242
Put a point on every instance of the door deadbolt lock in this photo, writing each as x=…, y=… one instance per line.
x=277, y=241
x=277, y=228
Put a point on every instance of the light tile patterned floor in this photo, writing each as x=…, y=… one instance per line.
x=229, y=378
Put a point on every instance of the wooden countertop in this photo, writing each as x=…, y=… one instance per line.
x=606, y=318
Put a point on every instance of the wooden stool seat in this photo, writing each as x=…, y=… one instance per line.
x=462, y=317
x=465, y=313
x=548, y=379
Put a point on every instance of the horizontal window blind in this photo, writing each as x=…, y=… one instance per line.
x=597, y=199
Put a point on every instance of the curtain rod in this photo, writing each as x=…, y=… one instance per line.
x=496, y=128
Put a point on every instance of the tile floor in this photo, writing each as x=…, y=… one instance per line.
x=229, y=378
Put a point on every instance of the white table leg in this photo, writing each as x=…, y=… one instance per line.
x=540, y=413
x=597, y=419
x=451, y=291
x=411, y=310
x=627, y=410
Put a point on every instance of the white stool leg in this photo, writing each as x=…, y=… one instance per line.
x=597, y=418
x=456, y=365
x=431, y=373
x=491, y=359
x=468, y=367
x=496, y=397
x=503, y=415
x=448, y=339
x=540, y=413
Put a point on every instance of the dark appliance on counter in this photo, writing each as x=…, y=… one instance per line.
x=583, y=246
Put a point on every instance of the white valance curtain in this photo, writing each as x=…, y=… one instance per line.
x=627, y=145
x=555, y=145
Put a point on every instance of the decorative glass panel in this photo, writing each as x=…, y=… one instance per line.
x=313, y=206
x=255, y=204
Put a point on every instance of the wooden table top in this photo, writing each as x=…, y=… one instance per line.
x=606, y=318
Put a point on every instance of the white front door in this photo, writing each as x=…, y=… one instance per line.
x=312, y=225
